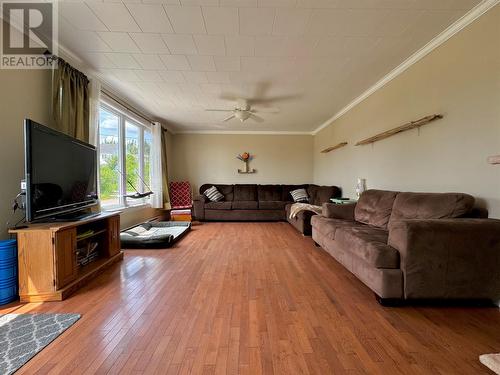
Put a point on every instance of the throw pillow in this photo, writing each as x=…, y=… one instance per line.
x=300, y=195
x=213, y=194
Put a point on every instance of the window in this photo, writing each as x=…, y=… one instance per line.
x=124, y=158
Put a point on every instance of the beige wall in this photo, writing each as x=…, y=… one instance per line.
x=461, y=80
x=23, y=93
x=209, y=158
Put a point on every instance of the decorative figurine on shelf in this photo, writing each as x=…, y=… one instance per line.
x=245, y=158
x=360, y=186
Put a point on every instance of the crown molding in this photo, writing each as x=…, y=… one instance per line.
x=453, y=29
x=240, y=132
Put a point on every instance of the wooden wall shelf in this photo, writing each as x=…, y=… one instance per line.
x=495, y=159
x=336, y=147
x=408, y=126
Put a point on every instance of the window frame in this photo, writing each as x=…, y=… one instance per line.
x=124, y=116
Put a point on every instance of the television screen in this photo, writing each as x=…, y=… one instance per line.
x=61, y=175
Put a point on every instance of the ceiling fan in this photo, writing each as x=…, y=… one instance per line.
x=243, y=111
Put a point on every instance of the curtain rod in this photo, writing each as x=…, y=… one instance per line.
x=125, y=105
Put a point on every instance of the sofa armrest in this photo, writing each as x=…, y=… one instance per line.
x=199, y=207
x=449, y=258
x=339, y=211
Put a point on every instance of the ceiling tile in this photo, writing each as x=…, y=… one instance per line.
x=256, y=21
x=238, y=3
x=201, y=63
x=99, y=60
x=218, y=77
x=180, y=44
x=175, y=62
x=270, y=46
x=148, y=76
x=81, y=41
x=81, y=17
x=240, y=45
x=123, y=60
x=200, y=2
x=210, y=45
x=186, y=20
x=151, y=18
x=227, y=63
x=150, y=43
x=126, y=75
x=115, y=16
x=195, y=77
x=221, y=21
x=168, y=2
x=291, y=21
x=150, y=62
x=300, y=46
x=321, y=3
x=277, y=3
x=119, y=42
x=172, y=76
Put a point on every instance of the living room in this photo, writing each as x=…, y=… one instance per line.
x=338, y=163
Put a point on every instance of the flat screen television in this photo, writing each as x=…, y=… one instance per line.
x=61, y=173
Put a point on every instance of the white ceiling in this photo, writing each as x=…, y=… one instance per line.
x=177, y=57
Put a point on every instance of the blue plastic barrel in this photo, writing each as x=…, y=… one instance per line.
x=8, y=271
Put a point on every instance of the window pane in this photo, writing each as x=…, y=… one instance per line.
x=132, y=159
x=109, y=158
x=148, y=142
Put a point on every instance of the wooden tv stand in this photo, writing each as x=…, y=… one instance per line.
x=47, y=255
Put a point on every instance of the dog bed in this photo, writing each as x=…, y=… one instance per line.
x=154, y=235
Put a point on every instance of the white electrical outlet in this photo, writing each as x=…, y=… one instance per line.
x=23, y=185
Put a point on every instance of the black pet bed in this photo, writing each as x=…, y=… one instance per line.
x=154, y=235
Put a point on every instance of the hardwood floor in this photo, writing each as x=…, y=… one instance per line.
x=253, y=298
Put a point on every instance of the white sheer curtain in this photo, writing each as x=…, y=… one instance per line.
x=95, y=97
x=157, y=167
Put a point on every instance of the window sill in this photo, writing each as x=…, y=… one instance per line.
x=126, y=208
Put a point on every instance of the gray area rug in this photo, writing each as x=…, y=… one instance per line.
x=22, y=336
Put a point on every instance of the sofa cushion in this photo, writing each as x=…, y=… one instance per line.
x=328, y=227
x=245, y=193
x=272, y=205
x=374, y=207
x=218, y=205
x=431, y=206
x=269, y=192
x=321, y=194
x=226, y=190
x=245, y=205
x=369, y=244
x=286, y=189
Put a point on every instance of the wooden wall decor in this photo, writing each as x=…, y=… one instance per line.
x=495, y=159
x=408, y=126
x=328, y=149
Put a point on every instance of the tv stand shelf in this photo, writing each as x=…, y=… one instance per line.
x=47, y=256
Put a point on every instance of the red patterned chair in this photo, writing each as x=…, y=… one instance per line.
x=181, y=200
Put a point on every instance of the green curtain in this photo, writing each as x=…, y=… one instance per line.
x=70, y=104
x=164, y=175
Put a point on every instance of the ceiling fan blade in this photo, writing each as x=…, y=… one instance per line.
x=274, y=99
x=219, y=110
x=261, y=89
x=256, y=118
x=228, y=118
x=265, y=110
x=228, y=96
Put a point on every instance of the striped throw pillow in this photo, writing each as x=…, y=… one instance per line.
x=300, y=195
x=213, y=194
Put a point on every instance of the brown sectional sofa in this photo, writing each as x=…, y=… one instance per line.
x=414, y=246
x=260, y=203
